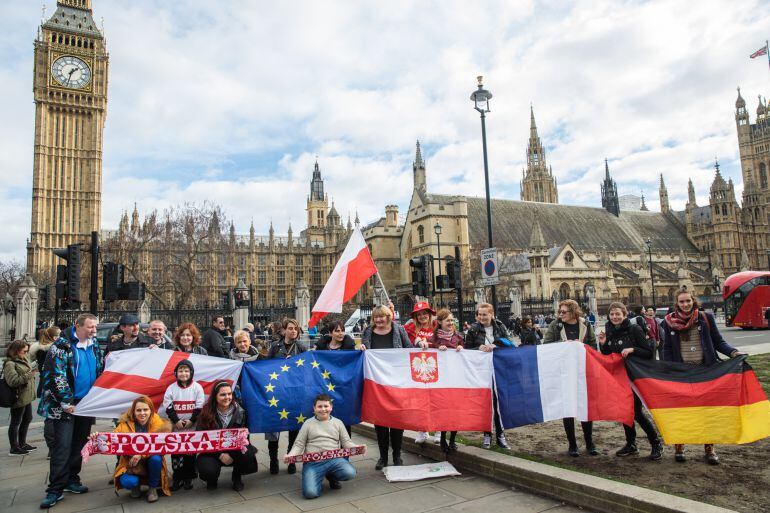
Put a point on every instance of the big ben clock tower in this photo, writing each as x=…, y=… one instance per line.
x=70, y=89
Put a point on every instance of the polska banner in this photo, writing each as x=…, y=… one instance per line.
x=182, y=442
x=131, y=373
x=327, y=455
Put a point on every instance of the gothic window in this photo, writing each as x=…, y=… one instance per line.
x=261, y=277
x=316, y=277
x=569, y=259
x=281, y=297
x=262, y=295
x=421, y=234
x=222, y=259
x=281, y=259
x=763, y=175
x=316, y=260
x=262, y=259
x=242, y=260
x=299, y=276
x=298, y=260
x=724, y=210
x=281, y=278
x=564, y=291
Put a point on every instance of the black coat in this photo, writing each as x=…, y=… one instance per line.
x=213, y=341
x=627, y=335
x=529, y=337
x=348, y=344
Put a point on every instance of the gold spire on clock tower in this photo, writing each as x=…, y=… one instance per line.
x=70, y=92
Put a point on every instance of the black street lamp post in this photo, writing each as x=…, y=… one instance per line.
x=437, y=231
x=480, y=98
x=652, y=274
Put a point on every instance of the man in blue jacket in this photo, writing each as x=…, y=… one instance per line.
x=72, y=365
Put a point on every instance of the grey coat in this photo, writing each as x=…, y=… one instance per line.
x=400, y=338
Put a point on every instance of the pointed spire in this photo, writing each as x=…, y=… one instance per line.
x=740, y=103
x=532, y=124
x=663, y=193
x=357, y=221
x=418, y=156
x=536, y=240
x=644, y=207
x=691, y=194
x=609, y=189
x=716, y=165
x=606, y=169
x=251, y=233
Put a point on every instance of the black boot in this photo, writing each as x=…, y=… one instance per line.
x=272, y=449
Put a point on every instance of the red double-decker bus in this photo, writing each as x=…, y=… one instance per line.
x=747, y=296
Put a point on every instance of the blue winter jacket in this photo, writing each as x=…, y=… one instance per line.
x=58, y=376
x=710, y=340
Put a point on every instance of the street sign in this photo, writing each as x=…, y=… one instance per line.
x=489, y=267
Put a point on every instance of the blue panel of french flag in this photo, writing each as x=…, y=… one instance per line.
x=567, y=379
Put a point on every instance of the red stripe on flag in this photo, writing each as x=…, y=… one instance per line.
x=315, y=318
x=607, y=388
x=360, y=269
x=733, y=389
x=151, y=387
x=427, y=409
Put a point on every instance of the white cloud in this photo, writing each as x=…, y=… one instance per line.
x=231, y=102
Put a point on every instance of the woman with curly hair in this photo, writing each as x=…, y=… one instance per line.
x=187, y=339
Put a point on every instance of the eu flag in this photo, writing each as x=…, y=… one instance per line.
x=278, y=394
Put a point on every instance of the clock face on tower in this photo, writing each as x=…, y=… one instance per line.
x=70, y=71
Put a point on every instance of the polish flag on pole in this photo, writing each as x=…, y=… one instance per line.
x=134, y=372
x=428, y=390
x=354, y=267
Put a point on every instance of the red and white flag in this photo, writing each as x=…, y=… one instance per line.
x=428, y=390
x=758, y=53
x=354, y=267
x=134, y=372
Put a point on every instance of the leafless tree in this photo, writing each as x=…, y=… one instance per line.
x=11, y=274
x=167, y=252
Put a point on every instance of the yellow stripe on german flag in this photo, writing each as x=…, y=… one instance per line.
x=719, y=404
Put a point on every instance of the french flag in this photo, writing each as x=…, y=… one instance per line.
x=428, y=390
x=567, y=379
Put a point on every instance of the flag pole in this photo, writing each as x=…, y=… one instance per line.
x=383, y=286
x=767, y=52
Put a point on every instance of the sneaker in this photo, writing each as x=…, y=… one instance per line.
x=421, y=438
x=487, y=441
x=627, y=450
x=502, y=442
x=334, y=484
x=397, y=461
x=436, y=439
x=712, y=458
x=573, y=451
x=237, y=485
x=28, y=448
x=452, y=447
x=76, y=488
x=188, y=484
x=679, y=457
x=444, y=446
x=17, y=451
x=152, y=495
x=380, y=464
x=591, y=450
x=657, y=451
x=51, y=499
x=292, y=468
x=136, y=492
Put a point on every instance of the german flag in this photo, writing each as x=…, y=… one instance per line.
x=719, y=404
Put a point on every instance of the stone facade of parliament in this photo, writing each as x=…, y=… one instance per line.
x=545, y=247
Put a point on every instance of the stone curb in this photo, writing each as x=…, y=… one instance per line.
x=584, y=490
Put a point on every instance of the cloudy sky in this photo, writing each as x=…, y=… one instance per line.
x=232, y=101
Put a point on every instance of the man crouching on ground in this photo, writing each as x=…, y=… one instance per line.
x=322, y=433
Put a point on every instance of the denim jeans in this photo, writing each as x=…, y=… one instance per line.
x=313, y=474
x=154, y=466
x=70, y=435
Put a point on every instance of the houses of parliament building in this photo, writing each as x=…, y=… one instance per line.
x=544, y=246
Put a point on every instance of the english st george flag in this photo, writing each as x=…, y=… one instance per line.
x=354, y=267
x=134, y=372
x=718, y=404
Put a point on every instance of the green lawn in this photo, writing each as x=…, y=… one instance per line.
x=761, y=365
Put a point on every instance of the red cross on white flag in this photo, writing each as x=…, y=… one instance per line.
x=134, y=372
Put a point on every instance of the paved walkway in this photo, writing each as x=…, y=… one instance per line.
x=22, y=482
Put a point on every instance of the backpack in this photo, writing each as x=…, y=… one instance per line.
x=8, y=394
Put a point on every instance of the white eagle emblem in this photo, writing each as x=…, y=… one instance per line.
x=424, y=367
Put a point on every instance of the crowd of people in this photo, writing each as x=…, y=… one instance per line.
x=70, y=360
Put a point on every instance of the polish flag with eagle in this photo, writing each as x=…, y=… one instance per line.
x=134, y=372
x=354, y=267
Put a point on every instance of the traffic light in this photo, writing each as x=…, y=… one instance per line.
x=227, y=301
x=68, y=276
x=422, y=275
x=45, y=297
x=131, y=291
x=112, y=279
x=453, y=274
x=241, y=297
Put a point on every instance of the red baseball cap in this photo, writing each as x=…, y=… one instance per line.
x=422, y=305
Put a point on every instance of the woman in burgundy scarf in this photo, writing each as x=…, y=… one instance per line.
x=446, y=337
x=691, y=336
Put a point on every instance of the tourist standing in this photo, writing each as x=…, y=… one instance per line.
x=19, y=374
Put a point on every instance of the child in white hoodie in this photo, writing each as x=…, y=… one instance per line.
x=182, y=403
